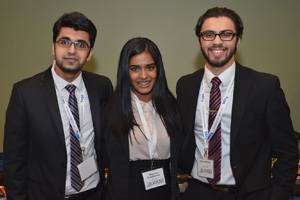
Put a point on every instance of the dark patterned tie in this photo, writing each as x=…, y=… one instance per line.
x=215, y=150
x=75, y=149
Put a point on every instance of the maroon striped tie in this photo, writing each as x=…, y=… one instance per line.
x=75, y=149
x=214, y=149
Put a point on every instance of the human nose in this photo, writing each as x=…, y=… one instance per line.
x=72, y=48
x=217, y=39
x=143, y=74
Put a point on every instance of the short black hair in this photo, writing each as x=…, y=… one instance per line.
x=77, y=21
x=221, y=12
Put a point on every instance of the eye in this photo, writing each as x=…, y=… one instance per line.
x=209, y=34
x=151, y=67
x=134, y=68
x=64, y=42
x=227, y=34
x=81, y=45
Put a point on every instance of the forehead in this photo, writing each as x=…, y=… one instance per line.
x=72, y=34
x=218, y=24
x=142, y=58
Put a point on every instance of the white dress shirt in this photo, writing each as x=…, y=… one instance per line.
x=86, y=127
x=226, y=172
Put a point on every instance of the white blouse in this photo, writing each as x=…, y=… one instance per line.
x=138, y=145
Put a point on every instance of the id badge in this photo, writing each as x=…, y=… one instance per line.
x=87, y=168
x=205, y=168
x=154, y=178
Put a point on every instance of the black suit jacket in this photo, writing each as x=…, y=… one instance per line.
x=35, y=156
x=261, y=128
x=117, y=149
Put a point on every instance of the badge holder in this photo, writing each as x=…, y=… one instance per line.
x=153, y=177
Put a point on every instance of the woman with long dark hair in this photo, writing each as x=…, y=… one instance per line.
x=142, y=128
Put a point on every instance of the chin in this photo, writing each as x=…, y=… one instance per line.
x=70, y=71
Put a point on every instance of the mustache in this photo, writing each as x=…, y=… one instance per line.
x=70, y=56
x=217, y=46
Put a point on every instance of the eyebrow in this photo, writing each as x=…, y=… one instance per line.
x=82, y=41
x=139, y=65
x=219, y=32
x=64, y=38
x=67, y=38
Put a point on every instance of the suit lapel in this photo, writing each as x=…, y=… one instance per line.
x=190, y=106
x=49, y=94
x=194, y=89
x=241, y=91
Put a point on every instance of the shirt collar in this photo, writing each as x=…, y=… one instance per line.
x=225, y=76
x=61, y=83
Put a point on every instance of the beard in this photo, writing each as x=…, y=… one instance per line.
x=218, y=62
x=70, y=67
x=69, y=71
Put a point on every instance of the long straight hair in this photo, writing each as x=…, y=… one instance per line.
x=163, y=100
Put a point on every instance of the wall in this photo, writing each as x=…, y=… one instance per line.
x=270, y=42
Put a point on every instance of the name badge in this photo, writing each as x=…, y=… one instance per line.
x=154, y=178
x=205, y=168
x=87, y=168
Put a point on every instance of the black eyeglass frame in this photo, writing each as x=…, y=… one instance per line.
x=217, y=34
x=75, y=44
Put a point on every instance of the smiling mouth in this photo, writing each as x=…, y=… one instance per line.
x=144, y=83
x=217, y=51
x=70, y=58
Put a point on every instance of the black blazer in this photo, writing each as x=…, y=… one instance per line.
x=35, y=156
x=261, y=128
x=118, y=160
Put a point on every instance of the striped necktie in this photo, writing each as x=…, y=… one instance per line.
x=75, y=149
x=215, y=149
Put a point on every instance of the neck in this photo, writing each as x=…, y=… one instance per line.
x=144, y=98
x=66, y=76
x=219, y=70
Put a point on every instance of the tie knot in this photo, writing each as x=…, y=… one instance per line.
x=216, y=81
x=71, y=88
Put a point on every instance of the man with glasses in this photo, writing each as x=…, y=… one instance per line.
x=235, y=120
x=52, y=130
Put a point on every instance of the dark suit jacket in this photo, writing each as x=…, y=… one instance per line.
x=118, y=160
x=35, y=156
x=261, y=128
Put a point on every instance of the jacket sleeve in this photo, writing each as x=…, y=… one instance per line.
x=15, y=147
x=283, y=144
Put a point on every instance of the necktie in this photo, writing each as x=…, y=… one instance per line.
x=75, y=149
x=214, y=149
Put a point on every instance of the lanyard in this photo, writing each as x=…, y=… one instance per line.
x=71, y=117
x=207, y=135
x=69, y=113
x=151, y=143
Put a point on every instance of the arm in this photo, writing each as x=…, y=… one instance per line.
x=15, y=147
x=283, y=144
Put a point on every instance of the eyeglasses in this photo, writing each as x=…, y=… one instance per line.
x=224, y=36
x=67, y=43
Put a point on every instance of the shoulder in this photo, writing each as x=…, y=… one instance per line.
x=96, y=81
x=244, y=73
x=34, y=81
x=190, y=79
x=95, y=77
